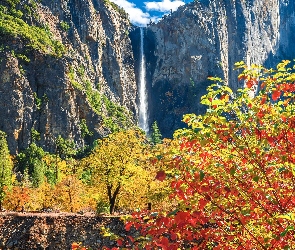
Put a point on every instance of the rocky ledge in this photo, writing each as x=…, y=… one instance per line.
x=56, y=230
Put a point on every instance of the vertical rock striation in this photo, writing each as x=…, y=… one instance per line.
x=96, y=75
x=205, y=38
x=53, y=95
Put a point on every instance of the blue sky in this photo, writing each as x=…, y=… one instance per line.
x=141, y=12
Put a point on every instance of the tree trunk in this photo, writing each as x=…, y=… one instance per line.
x=71, y=202
x=112, y=197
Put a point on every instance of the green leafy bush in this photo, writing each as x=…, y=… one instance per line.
x=65, y=26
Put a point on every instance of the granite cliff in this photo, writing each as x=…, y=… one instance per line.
x=205, y=38
x=67, y=69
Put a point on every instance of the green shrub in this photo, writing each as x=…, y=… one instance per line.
x=84, y=129
x=64, y=26
x=37, y=38
x=102, y=207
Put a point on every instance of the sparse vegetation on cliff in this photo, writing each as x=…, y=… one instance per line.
x=12, y=24
x=115, y=117
x=117, y=8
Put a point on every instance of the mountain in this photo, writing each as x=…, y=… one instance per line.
x=67, y=69
x=70, y=68
x=205, y=38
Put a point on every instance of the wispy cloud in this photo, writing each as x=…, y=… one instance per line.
x=163, y=6
x=137, y=16
x=140, y=18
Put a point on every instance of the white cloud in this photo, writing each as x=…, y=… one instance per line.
x=136, y=15
x=164, y=6
x=140, y=18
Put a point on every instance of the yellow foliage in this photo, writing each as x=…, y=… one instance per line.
x=68, y=194
x=16, y=198
x=121, y=169
x=41, y=198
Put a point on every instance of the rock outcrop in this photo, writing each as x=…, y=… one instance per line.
x=89, y=82
x=205, y=38
x=58, y=231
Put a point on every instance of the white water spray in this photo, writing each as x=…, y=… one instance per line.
x=143, y=98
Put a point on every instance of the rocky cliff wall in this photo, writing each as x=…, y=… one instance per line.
x=205, y=38
x=54, y=94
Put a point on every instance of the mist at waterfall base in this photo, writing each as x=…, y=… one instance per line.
x=142, y=89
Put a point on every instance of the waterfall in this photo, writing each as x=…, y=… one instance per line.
x=143, y=98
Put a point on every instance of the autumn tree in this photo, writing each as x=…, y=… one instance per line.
x=41, y=198
x=234, y=175
x=115, y=162
x=17, y=198
x=68, y=194
x=5, y=167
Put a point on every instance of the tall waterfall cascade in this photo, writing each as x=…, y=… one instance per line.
x=143, y=97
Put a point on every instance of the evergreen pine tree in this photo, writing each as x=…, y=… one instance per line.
x=5, y=167
x=156, y=136
x=31, y=160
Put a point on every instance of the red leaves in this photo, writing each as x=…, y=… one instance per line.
x=161, y=175
x=287, y=87
x=181, y=217
x=263, y=100
x=78, y=246
x=205, y=189
x=248, y=159
x=130, y=238
x=120, y=242
x=291, y=137
x=250, y=83
x=153, y=160
x=75, y=245
x=164, y=242
x=188, y=144
x=128, y=226
x=276, y=95
x=176, y=184
x=202, y=203
x=225, y=97
x=260, y=114
x=163, y=222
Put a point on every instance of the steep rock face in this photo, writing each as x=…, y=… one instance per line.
x=53, y=95
x=205, y=38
